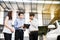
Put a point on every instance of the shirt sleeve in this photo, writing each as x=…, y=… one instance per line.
x=34, y=23
x=16, y=24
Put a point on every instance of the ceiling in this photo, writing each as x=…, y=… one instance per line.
x=44, y=6
x=30, y=0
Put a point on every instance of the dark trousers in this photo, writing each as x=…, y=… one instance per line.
x=19, y=35
x=58, y=38
x=33, y=35
x=7, y=36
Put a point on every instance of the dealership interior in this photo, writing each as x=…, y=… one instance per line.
x=46, y=11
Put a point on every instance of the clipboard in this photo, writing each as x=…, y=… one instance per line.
x=26, y=26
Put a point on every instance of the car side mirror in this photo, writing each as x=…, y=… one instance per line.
x=51, y=26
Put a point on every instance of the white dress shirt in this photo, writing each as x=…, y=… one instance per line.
x=6, y=30
x=33, y=25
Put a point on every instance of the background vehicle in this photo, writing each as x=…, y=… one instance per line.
x=54, y=32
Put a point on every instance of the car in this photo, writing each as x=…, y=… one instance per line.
x=54, y=30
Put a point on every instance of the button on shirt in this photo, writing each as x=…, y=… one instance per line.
x=18, y=23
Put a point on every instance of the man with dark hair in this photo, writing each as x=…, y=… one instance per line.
x=18, y=25
x=20, y=13
x=33, y=35
x=32, y=14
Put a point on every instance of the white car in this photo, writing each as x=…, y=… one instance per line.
x=53, y=34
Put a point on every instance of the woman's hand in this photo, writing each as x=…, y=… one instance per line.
x=12, y=30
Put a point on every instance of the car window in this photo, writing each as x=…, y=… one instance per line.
x=55, y=24
x=59, y=22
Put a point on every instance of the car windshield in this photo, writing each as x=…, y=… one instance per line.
x=59, y=22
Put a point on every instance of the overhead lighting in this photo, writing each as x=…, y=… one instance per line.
x=7, y=9
x=29, y=1
x=20, y=10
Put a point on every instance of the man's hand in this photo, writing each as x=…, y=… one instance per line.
x=24, y=29
x=21, y=26
x=30, y=20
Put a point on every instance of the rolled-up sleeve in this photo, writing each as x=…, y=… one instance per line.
x=15, y=24
x=35, y=23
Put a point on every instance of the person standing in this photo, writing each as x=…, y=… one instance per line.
x=18, y=25
x=33, y=35
x=8, y=29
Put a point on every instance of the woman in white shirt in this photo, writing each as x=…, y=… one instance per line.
x=8, y=29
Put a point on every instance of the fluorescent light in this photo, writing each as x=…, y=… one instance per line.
x=29, y=1
x=56, y=2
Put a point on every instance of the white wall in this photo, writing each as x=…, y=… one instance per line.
x=1, y=17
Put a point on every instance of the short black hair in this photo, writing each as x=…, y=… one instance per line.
x=32, y=14
x=20, y=13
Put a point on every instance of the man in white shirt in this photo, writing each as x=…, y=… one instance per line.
x=33, y=35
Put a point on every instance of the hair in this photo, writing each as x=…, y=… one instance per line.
x=10, y=15
x=20, y=13
x=32, y=14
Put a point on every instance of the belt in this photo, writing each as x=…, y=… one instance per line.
x=33, y=31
